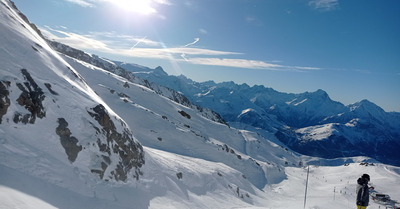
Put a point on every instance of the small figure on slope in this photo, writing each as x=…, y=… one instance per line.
x=363, y=191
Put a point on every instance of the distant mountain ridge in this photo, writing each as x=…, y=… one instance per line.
x=362, y=128
x=115, y=68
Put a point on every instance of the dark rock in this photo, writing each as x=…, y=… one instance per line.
x=179, y=175
x=184, y=114
x=48, y=86
x=129, y=151
x=70, y=143
x=126, y=85
x=31, y=98
x=4, y=100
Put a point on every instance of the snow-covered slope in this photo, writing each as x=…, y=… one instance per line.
x=175, y=128
x=61, y=140
x=328, y=187
x=47, y=106
x=70, y=133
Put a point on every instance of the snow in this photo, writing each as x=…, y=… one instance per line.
x=319, y=132
x=189, y=163
x=12, y=198
x=304, y=100
x=329, y=187
x=246, y=111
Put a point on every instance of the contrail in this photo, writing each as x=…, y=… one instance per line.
x=138, y=42
x=195, y=41
x=184, y=57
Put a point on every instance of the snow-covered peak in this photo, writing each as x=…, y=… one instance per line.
x=366, y=106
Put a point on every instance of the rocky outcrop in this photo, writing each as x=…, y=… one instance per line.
x=130, y=152
x=70, y=143
x=4, y=100
x=48, y=86
x=184, y=114
x=31, y=98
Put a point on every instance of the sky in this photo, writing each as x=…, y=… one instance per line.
x=350, y=49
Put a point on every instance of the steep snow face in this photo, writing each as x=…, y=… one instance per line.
x=47, y=107
x=175, y=125
x=317, y=132
x=175, y=128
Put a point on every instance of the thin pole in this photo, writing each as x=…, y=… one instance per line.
x=334, y=193
x=305, y=195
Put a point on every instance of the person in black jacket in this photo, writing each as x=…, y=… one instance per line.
x=363, y=192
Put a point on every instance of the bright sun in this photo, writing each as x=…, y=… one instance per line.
x=143, y=7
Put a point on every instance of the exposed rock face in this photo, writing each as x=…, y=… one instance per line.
x=129, y=151
x=31, y=98
x=184, y=114
x=4, y=100
x=70, y=143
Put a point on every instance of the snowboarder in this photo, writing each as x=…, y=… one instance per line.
x=362, y=192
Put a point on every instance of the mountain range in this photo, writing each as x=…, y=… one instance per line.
x=309, y=123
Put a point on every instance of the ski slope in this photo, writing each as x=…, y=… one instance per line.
x=190, y=161
x=329, y=187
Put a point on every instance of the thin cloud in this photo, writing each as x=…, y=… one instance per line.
x=165, y=2
x=248, y=64
x=304, y=68
x=138, y=42
x=184, y=57
x=121, y=40
x=94, y=3
x=73, y=39
x=199, y=51
x=324, y=5
x=104, y=42
x=194, y=42
x=203, y=31
x=81, y=3
x=254, y=21
x=122, y=44
x=237, y=63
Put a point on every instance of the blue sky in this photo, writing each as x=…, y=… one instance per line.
x=350, y=49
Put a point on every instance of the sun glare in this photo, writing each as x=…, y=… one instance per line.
x=143, y=7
